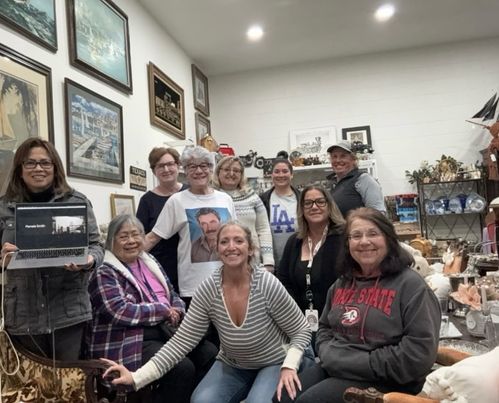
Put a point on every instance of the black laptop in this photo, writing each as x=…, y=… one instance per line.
x=50, y=235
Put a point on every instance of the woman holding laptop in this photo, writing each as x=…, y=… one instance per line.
x=46, y=308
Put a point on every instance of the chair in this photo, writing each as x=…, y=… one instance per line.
x=40, y=379
x=446, y=356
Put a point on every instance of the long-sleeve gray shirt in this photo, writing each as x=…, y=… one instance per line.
x=274, y=330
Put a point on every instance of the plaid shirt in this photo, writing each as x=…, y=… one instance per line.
x=119, y=310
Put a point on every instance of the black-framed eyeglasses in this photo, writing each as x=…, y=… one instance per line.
x=320, y=202
x=169, y=164
x=44, y=164
x=193, y=167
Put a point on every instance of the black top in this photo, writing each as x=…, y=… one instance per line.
x=292, y=270
x=165, y=251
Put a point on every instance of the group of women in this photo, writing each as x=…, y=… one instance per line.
x=377, y=321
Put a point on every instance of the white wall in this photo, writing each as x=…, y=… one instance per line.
x=415, y=101
x=148, y=42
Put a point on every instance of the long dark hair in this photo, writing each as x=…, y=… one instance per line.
x=17, y=190
x=396, y=259
x=335, y=219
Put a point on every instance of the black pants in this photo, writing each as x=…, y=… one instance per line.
x=319, y=387
x=178, y=384
x=66, y=342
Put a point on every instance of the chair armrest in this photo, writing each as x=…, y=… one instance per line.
x=372, y=395
x=447, y=356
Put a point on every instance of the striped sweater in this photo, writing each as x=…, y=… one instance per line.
x=251, y=212
x=273, y=332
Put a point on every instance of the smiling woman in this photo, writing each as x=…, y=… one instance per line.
x=380, y=323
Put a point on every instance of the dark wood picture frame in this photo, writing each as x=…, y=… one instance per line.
x=102, y=30
x=94, y=135
x=32, y=82
x=360, y=133
x=200, y=91
x=202, y=122
x=166, y=102
x=21, y=16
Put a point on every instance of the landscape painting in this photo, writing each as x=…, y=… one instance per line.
x=34, y=19
x=99, y=42
x=94, y=127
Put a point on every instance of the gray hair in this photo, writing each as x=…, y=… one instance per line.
x=117, y=223
x=198, y=154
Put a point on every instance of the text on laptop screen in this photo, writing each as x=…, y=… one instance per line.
x=51, y=225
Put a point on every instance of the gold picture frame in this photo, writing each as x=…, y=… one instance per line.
x=122, y=204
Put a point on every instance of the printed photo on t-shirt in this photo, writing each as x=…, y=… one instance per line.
x=203, y=227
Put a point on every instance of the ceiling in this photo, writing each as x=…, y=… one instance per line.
x=212, y=32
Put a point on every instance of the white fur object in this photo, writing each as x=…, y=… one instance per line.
x=440, y=284
x=472, y=380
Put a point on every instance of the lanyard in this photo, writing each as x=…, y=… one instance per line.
x=308, y=275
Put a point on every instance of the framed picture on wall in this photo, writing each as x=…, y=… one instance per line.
x=34, y=19
x=166, y=102
x=99, y=41
x=361, y=133
x=203, y=127
x=312, y=142
x=94, y=131
x=25, y=106
x=122, y=204
x=200, y=91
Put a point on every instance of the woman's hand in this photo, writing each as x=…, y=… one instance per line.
x=288, y=379
x=174, y=316
x=7, y=248
x=125, y=377
x=74, y=267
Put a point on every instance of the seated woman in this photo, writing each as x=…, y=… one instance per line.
x=308, y=265
x=136, y=310
x=380, y=325
x=263, y=334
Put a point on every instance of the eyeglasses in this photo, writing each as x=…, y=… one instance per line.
x=194, y=167
x=236, y=171
x=370, y=235
x=123, y=238
x=320, y=202
x=44, y=164
x=170, y=164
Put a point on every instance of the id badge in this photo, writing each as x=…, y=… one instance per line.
x=312, y=316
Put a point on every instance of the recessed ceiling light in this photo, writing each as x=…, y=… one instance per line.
x=254, y=33
x=385, y=12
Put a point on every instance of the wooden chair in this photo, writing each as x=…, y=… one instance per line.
x=446, y=356
x=40, y=379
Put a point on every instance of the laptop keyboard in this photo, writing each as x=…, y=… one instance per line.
x=50, y=253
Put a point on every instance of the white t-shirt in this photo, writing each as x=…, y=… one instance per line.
x=282, y=221
x=180, y=215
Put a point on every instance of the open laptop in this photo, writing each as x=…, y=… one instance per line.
x=50, y=235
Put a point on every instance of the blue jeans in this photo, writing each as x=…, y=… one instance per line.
x=226, y=384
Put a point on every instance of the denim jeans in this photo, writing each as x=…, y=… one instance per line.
x=226, y=384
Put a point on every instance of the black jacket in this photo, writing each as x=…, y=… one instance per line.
x=323, y=274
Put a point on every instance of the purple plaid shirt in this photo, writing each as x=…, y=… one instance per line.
x=119, y=310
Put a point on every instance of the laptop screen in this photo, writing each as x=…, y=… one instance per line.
x=51, y=225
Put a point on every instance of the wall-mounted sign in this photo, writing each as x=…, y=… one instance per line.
x=138, y=179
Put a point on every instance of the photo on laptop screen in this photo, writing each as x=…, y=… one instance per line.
x=50, y=235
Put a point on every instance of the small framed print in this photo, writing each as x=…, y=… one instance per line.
x=203, y=127
x=200, y=90
x=122, y=204
x=361, y=134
